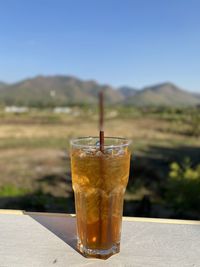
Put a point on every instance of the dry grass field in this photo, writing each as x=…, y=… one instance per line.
x=35, y=163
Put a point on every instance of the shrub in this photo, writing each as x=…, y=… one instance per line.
x=183, y=188
x=195, y=125
x=9, y=190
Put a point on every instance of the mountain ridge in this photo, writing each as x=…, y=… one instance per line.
x=163, y=94
x=59, y=89
x=127, y=91
x=2, y=84
x=64, y=90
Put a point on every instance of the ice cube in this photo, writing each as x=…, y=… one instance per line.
x=97, y=143
x=89, y=151
x=82, y=155
x=109, y=151
x=99, y=154
x=120, y=152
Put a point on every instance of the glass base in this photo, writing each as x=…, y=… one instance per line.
x=98, y=253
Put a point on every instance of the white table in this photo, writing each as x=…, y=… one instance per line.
x=42, y=240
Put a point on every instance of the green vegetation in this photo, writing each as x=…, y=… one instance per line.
x=183, y=187
x=195, y=124
x=10, y=190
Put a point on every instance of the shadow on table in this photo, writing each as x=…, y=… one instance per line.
x=63, y=226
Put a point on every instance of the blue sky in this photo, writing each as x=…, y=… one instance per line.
x=127, y=42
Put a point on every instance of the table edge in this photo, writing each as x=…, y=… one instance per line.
x=127, y=219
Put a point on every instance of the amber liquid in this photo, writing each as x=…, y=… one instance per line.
x=99, y=183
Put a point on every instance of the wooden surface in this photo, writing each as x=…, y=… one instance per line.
x=42, y=240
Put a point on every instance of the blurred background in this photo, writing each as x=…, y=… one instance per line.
x=55, y=57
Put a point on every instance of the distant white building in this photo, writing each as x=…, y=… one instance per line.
x=65, y=110
x=15, y=109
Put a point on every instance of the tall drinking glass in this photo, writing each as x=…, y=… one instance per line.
x=99, y=181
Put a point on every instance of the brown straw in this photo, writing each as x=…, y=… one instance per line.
x=101, y=121
x=101, y=139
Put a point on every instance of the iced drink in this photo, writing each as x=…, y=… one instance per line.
x=99, y=182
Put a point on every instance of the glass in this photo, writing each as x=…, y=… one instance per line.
x=99, y=182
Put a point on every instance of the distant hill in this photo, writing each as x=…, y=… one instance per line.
x=197, y=95
x=165, y=94
x=127, y=91
x=2, y=85
x=65, y=90
x=58, y=90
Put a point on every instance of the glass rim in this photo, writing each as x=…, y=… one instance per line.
x=75, y=141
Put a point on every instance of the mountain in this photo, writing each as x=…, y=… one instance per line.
x=58, y=90
x=197, y=95
x=127, y=91
x=2, y=85
x=165, y=94
x=64, y=90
